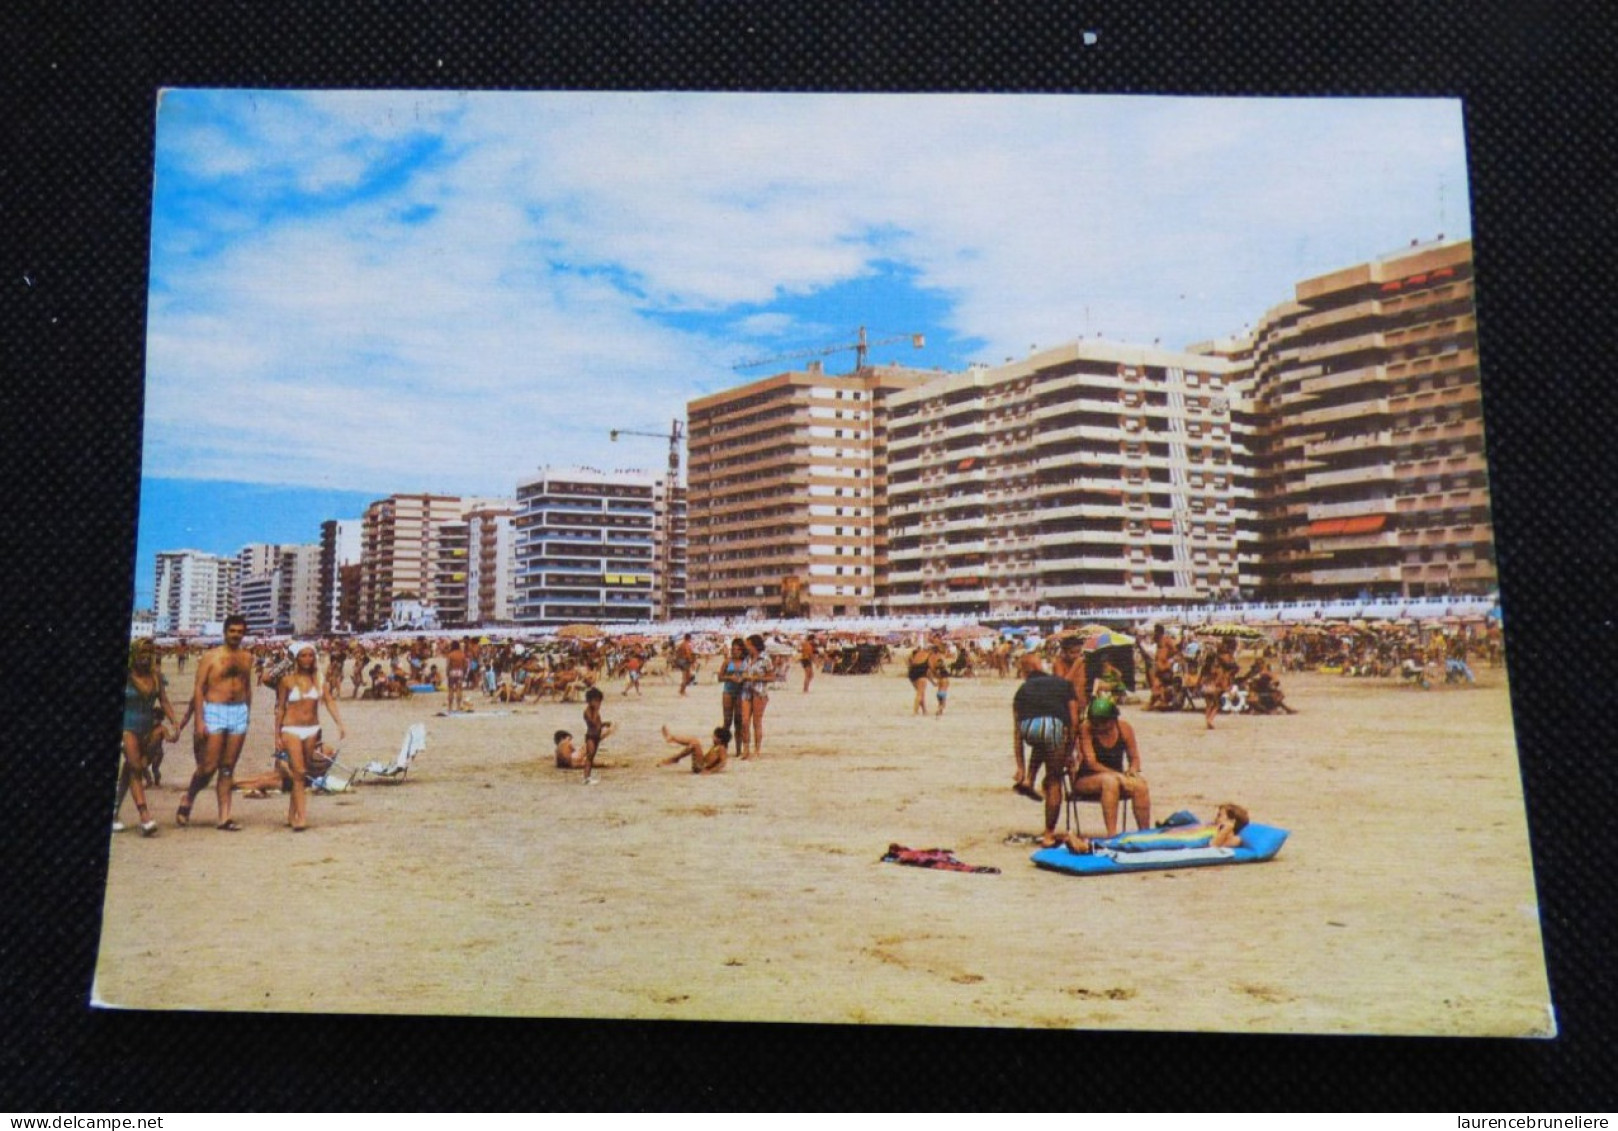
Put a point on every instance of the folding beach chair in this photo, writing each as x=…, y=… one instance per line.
x=415, y=741
x=330, y=778
x=1073, y=801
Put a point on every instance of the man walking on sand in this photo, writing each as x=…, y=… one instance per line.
x=456, y=678
x=1045, y=718
x=220, y=704
x=685, y=661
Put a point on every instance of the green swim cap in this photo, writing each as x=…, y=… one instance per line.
x=1101, y=707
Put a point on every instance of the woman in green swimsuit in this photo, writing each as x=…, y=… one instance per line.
x=144, y=692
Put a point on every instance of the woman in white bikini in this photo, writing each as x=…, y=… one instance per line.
x=297, y=725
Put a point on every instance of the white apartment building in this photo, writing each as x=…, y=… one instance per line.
x=1092, y=471
x=278, y=588
x=491, y=565
x=585, y=547
x=192, y=590
x=298, y=581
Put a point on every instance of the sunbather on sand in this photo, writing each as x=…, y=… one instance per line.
x=276, y=779
x=567, y=757
x=1224, y=832
x=709, y=762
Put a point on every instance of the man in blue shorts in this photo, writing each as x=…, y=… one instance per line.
x=220, y=707
x=1045, y=718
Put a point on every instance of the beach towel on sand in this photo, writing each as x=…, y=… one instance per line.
x=942, y=858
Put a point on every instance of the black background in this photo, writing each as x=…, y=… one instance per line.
x=79, y=113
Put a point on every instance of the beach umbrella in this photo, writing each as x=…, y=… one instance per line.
x=1107, y=638
x=1244, y=631
x=970, y=632
x=580, y=632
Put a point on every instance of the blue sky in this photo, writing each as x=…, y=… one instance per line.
x=356, y=293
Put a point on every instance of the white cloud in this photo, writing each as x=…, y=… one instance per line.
x=393, y=290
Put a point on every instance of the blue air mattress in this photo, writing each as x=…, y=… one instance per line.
x=1259, y=842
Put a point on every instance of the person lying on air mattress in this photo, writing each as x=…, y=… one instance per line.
x=1224, y=832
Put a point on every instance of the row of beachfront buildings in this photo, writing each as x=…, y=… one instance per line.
x=1335, y=450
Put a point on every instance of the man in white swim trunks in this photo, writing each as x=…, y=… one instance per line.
x=220, y=707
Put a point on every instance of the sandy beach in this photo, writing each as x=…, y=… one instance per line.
x=491, y=883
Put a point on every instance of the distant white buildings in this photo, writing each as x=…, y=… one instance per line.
x=193, y=589
x=278, y=588
x=142, y=622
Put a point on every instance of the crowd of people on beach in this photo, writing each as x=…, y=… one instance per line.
x=1067, y=706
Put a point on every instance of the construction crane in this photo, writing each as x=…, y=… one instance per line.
x=665, y=571
x=861, y=347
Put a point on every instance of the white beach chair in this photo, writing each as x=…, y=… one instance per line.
x=415, y=741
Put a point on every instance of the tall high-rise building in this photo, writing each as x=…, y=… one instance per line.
x=340, y=542
x=671, y=535
x=253, y=561
x=192, y=590
x=298, y=590
x=787, y=504
x=491, y=565
x=399, y=552
x=1369, y=456
x=585, y=547
x=450, y=574
x=278, y=588
x=1091, y=471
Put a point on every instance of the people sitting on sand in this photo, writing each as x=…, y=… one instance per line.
x=278, y=780
x=567, y=683
x=1108, y=765
x=567, y=757
x=709, y=761
x=1264, y=690
x=1412, y=670
x=1109, y=682
x=378, y=685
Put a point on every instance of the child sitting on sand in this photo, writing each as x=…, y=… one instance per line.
x=701, y=763
x=567, y=758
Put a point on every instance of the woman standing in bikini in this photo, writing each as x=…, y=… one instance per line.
x=732, y=684
x=756, y=696
x=144, y=693
x=297, y=725
x=1217, y=676
x=916, y=670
